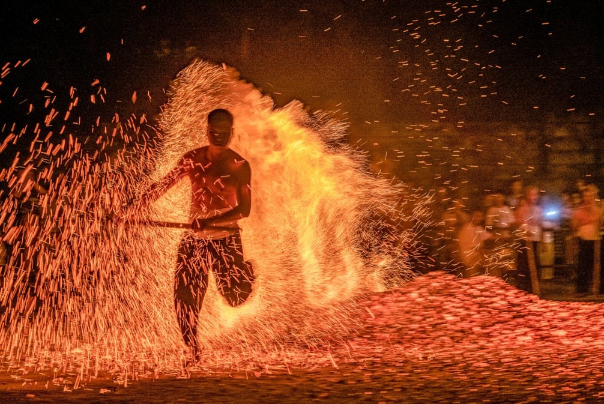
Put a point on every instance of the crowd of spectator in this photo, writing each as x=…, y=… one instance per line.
x=472, y=237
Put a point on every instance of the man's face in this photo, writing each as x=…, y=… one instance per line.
x=589, y=195
x=219, y=133
x=576, y=199
x=477, y=218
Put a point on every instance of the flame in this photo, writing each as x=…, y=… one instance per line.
x=316, y=235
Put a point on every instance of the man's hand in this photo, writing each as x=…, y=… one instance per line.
x=200, y=224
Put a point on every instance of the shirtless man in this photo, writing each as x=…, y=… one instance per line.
x=221, y=195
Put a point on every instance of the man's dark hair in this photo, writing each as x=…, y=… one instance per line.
x=220, y=115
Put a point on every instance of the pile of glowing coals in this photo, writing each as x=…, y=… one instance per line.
x=76, y=282
x=482, y=322
x=446, y=334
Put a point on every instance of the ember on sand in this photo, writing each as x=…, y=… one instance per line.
x=438, y=338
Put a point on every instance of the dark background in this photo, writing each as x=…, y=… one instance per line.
x=321, y=59
x=383, y=65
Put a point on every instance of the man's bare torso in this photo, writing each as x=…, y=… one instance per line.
x=214, y=183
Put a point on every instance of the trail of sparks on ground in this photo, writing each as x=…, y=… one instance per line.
x=435, y=339
x=79, y=285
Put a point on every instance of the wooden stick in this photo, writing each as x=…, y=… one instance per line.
x=177, y=225
x=533, y=268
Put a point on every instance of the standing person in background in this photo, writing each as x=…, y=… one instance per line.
x=500, y=218
x=471, y=244
x=529, y=217
x=586, y=221
x=516, y=194
x=500, y=223
x=452, y=220
x=571, y=244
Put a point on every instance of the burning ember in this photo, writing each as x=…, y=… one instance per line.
x=436, y=339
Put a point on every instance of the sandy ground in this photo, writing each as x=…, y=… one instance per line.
x=438, y=339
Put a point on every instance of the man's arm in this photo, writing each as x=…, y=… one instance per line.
x=244, y=202
x=585, y=215
x=156, y=190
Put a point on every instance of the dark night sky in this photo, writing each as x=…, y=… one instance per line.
x=413, y=61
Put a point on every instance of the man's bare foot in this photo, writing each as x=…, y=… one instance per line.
x=190, y=358
x=193, y=357
x=185, y=373
x=196, y=356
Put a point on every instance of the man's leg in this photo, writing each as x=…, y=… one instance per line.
x=523, y=276
x=190, y=285
x=234, y=276
x=585, y=265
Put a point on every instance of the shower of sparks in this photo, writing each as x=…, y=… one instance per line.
x=82, y=294
x=77, y=283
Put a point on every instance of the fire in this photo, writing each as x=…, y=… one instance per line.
x=311, y=204
x=316, y=236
